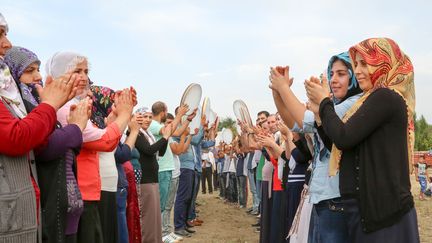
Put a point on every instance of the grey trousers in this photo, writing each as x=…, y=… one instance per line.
x=166, y=214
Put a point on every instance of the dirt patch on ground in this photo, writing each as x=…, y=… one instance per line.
x=228, y=223
x=424, y=212
x=223, y=222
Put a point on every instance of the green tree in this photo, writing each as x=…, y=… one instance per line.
x=228, y=123
x=423, y=134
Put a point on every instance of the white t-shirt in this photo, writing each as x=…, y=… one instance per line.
x=108, y=171
x=256, y=158
x=212, y=160
x=176, y=171
x=421, y=169
x=232, y=166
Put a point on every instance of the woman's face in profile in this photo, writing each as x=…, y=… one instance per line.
x=362, y=73
x=4, y=41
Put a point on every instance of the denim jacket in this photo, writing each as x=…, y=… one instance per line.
x=321, y=185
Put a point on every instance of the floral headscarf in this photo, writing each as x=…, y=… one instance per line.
x=9, y=92
x=103, y=99
x=388, y=68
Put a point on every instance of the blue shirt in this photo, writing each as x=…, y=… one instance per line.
x=220, y=164
x=321, y=185
x=121, y=155
x=187, y=159
x=250, y=157
x=240, y=165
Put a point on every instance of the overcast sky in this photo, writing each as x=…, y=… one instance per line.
x=161, y=46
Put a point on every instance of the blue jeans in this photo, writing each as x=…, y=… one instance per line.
x=253, y=190
x=259, y=190
x=423, y=183
x=183, y=199
x=222, y=185
x=196, y=183
x=329, y=223
x=232, y=188
x=164, y=187
x=121, y=215
x=241, y=188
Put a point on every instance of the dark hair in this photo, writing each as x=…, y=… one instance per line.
x=158, y=107
x=176, y=110
x=170, y=116
x=266, y=113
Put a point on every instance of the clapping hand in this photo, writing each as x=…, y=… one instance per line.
x=167, y=131
x=284, y=129
x=315, y=90
x=124, y=102
x=80, y=113
x=59, y=91
x=133, y=124
x=265, y=140
x=279, y=78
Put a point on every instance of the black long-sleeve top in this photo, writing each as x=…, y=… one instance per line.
x=148, y=159
x=301, y=155
x=374, y=163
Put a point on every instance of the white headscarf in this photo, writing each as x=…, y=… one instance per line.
x=149, y=136
x=62, y=62
x=9, y=92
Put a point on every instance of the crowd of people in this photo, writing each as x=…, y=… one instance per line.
x=337, y=169
x=80, y=162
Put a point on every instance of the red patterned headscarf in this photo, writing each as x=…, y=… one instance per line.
x=388, y=68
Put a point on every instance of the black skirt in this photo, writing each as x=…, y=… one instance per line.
x=293, y=196
x=266, y=209
x=108, y=216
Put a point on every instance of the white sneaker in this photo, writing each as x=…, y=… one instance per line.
x=176, y=237
x=169, y=239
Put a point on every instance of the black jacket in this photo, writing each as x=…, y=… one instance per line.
x=374, y=164
x=148, y=159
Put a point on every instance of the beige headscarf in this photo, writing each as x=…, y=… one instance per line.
x=388, y=67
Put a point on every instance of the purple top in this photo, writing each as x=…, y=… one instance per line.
x=60, y=141
x=63, y=142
